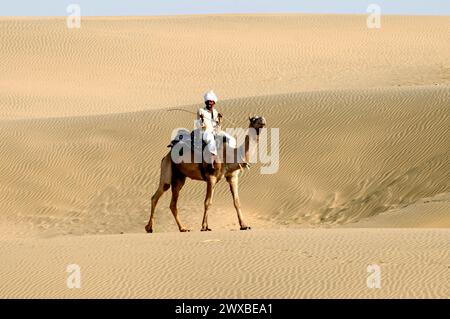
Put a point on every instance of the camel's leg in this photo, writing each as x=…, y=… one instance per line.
x=177, y=184
x=161, y=189
x=164, y=185
x=233, y=181
x=211, y=184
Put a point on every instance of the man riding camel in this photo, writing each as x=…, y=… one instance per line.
x=209, y=120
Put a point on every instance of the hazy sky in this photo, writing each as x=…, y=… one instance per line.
x=169, y=7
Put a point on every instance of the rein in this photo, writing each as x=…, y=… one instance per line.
x=195, y=113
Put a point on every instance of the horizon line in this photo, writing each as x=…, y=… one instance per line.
x=227, y=14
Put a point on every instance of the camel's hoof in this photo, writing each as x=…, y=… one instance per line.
x=148, y=229
x=184, y=230
x=206, y=229
x=246, y=228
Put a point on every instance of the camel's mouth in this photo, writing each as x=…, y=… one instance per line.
x=261, y=125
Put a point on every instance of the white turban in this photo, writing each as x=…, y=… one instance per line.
x=210, y=96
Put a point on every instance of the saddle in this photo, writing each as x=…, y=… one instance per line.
x=189, y=138
x=185, y=136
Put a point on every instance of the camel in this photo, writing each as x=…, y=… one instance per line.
x=173, y=175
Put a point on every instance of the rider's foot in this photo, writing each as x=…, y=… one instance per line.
x=245, y=165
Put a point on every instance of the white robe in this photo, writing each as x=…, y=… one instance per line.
x=211, y=129
x=210, y=120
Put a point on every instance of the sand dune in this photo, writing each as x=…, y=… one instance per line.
x=431, y=212
x=344, y=155
x=114, y=65
x=85, y=117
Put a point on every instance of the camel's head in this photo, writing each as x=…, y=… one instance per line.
x=257, y=122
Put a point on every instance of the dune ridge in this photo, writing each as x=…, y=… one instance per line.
x=344, y=155
x=114, y=65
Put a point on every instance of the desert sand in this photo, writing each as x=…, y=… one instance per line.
x=316, y=263
x=364, y=171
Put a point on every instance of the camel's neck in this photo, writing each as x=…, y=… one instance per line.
x=248, y=148
x=245, y=152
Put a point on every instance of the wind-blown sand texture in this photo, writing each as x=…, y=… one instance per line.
x=364, y=119
x=311, y=263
